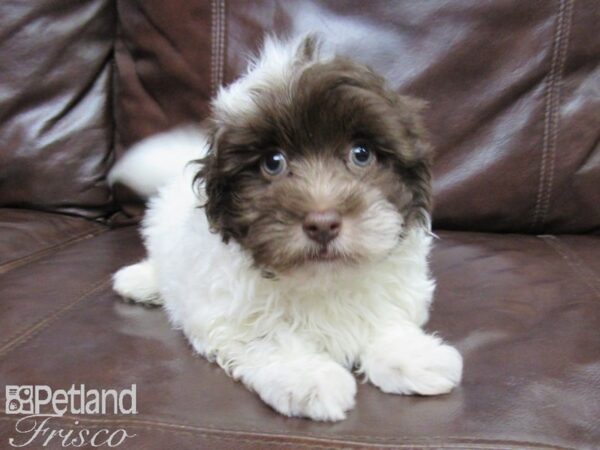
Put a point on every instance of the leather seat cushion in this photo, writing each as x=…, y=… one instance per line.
x=523, y=311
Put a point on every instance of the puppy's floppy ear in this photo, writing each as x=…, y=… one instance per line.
x=214, y=182
x=418, y=158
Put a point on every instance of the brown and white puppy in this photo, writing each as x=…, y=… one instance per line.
x=296, y=250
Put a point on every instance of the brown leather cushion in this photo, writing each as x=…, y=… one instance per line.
x=524, y=312
x=55, y=112
x=29, y=235
x=512, y=89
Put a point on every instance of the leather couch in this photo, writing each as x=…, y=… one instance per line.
x=514, y=113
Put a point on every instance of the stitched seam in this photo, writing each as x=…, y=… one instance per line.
x=555, y=117
x=16, y=263
x=550, y=112
x=547, y=107
x=223, y=30
x=232, y=434
x=46, y=321
x=213, y=52
x=218, y=44
x=24, y=329
x=574, y=262
x=547, y=92
x=547, y=113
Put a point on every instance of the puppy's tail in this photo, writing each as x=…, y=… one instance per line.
x=155, y=161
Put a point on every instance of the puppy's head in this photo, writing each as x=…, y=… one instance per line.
x=314, y=160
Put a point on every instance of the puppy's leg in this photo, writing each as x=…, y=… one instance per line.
x=138, y=283
x=293, y=378
x=403, y=359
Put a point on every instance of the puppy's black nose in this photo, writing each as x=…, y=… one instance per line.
x=322, y=226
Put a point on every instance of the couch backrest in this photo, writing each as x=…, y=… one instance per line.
x=56, y=132
x=513, y=90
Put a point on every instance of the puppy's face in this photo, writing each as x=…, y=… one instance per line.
x=316, y=164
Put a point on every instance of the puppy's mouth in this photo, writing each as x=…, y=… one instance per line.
x=329, y=254
x=325, y=254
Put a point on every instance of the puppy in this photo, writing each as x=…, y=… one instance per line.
x=292, y=249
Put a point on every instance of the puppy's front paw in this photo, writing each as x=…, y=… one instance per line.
x=138, y=284
x=319, y=392
x=427, y=367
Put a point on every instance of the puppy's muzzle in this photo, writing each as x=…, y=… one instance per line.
x=322, y=226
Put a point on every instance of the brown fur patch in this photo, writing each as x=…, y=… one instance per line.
x=315, y=119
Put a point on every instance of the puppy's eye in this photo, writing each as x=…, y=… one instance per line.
x=273, y=164
x=361, y=156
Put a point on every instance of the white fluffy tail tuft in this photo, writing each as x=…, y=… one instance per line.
x=153, y=162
